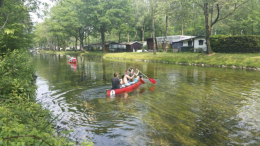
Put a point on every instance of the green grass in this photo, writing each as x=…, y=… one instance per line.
x=246, y=60
x=217, y=59
x=62, y=52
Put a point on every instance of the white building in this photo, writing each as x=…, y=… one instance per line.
x=169, y=39
x=186, y=43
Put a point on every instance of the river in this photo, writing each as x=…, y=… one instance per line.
x=188, y=105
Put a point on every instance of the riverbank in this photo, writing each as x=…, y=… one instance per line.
x=242, y=61
x=22, y=120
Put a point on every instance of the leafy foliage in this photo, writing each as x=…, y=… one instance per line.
x=15, y=24
x=22, y=121
x=235, y=44
x=16, y=75
x=123, y=20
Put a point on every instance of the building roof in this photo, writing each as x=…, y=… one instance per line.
x=129, y=43
x=170, y=39
x=200, y=37
x=106, y=43
x=183, y=38
x=96, y=44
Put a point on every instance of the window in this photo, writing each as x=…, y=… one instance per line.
x=189, y=43
x=201, y=42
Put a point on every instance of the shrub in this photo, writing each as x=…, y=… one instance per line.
x=144, y=48
x=198, y=50
x=235, y=44
x=160, y=50
x=22, y=121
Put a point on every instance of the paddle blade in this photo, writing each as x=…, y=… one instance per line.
x=152, y=80
x=142, y=81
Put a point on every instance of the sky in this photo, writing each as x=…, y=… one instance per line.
x=34, y=16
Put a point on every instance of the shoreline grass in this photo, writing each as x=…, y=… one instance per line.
x=244, y=61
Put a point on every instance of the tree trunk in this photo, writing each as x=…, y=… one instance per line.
x=253, y=19
x=211, y=18
x=182, y=27
x=76, y=44
x=208, y=28
x=153, y=33
x=81, y=38
x=166, y=31
x=142, y=34
x=65, y=45
x=58, y=44
x=55, y=45
x=119, y=37
x=128, y=37
x=135, y=35
x=2, y=27
x=103, y=40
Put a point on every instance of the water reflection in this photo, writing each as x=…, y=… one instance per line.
x=187, y=106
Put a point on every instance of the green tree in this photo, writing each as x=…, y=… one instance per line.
x=152, y=6
x=15, y=25
x=141, y=14
x=106, y=15
x=42, y=36
x=223, y=10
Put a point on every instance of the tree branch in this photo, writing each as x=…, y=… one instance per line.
x=233, y=10
x=199, y=5
x=36, y=137
x=217, y=19
x=4, y=23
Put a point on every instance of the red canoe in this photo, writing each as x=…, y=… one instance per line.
x=72, y=60
x=113, y=92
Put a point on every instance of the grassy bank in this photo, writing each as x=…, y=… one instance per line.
x=62, y=52
x=251, y=61
x=224, y=60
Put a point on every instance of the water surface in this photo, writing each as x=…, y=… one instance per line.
x=187, y=106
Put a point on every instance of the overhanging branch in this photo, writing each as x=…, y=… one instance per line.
x=233, y=10
x=33, y=136
x=199, y=5
x=217, y=19
x=4, y=23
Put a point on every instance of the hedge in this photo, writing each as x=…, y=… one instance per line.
x=235, y=44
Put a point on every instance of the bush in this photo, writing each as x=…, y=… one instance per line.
x=22, y=121
x=16, y=75
x=160, y=50
x=235, y=44
x=198, y=50
x=144, y=48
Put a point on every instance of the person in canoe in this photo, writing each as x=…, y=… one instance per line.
x=131, y=72
x=128, y=76
x=116, y=82
x=72, y=59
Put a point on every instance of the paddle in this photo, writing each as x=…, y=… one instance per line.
x=113, y=67
x=150, y=79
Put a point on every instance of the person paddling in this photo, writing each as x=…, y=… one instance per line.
x=116, y=81
x=134, y=80
x=126, y=77
x=130, y=77
x=131, y=73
